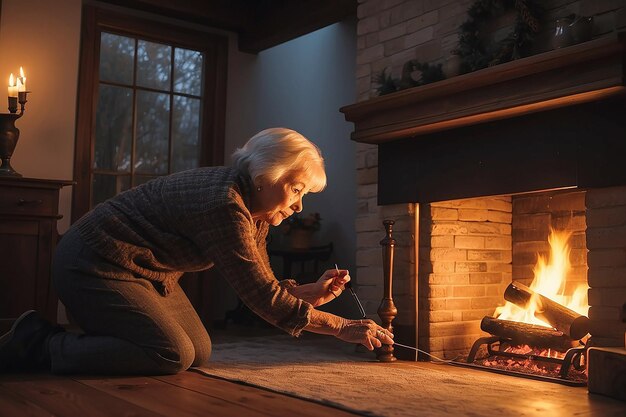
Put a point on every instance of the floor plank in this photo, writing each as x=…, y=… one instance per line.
x=61, y=396
x=182, y=395
x=12, y=404
x=168, y=399
x=268, y=402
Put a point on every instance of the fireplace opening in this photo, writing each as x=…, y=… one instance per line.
x=478, y=255
x=471, y=250
x=541, y=330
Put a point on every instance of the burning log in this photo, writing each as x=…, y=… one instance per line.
x=558, y=316
x=527, y=334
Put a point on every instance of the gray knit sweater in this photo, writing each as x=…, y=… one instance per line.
x=191, y=221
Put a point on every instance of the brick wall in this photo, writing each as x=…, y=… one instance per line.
x=606, y=241
x=533, y=217
x=465, y=265
x=391, y=32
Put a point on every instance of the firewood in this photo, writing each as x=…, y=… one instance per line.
x=527, y=334
x=558, y=316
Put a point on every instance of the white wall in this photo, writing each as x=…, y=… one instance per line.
x=301, y=85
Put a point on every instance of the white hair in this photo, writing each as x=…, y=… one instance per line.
x=272, y=153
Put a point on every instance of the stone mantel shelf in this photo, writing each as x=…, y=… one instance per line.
x=586, y=72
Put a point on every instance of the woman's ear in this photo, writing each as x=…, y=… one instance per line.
x=258, y=183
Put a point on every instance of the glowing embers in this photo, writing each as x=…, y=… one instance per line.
x=541, y=331
x=533, y=362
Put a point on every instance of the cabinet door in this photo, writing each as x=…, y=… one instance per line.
x=19, y=241
x=25, y=250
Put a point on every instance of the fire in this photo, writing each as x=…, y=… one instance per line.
x=550, y=281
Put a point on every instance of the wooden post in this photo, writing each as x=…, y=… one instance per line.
x=387, y=310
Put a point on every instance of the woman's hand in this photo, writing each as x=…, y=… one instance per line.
x=365, y=332
x=328, y=287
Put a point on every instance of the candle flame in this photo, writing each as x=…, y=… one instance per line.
x=11, y=80
x=21, y=81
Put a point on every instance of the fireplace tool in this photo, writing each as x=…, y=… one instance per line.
x=354, y=296
x=387, y=310
x=364, y=315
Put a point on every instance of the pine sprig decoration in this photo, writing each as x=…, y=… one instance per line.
x=386, y=84
x=428, y=74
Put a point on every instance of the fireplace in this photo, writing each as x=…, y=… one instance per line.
x=477, y=170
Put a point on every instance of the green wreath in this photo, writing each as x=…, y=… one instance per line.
x=475, y=54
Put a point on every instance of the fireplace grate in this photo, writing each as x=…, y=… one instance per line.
x=574, y=359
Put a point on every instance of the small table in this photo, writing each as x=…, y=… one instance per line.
x=313, y=255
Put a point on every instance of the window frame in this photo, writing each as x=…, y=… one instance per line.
x=96, y=20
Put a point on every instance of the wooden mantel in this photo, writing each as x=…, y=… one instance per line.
x=581, y=73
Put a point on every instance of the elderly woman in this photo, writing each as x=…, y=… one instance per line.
x=117, y=269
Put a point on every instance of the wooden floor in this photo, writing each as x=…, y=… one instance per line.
x=193, y=394
x=185, y=394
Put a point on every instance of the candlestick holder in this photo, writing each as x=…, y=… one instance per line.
x=9, y=134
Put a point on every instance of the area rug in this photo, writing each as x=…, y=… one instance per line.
x=325, y=370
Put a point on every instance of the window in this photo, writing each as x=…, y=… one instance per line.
x=151, y=103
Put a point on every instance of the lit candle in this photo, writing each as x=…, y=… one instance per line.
x=22, y=80
x=12, y=88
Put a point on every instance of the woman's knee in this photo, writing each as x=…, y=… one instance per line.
x=176, y=358
x=183, y=356
x=203, y=349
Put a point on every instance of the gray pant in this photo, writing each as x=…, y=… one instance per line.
x=129, y=327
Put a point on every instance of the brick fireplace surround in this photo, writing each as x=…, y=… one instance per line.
x=480, y=166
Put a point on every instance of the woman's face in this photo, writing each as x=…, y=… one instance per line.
x=275, y=202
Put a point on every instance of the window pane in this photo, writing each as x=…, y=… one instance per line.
x=113, y=129
x=107, y=186
x=185, y=133
x=116, y=58
x=187, y=71
x=153, y=126
x=154, y=65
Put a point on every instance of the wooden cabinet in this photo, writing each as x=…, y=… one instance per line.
x=29, y=210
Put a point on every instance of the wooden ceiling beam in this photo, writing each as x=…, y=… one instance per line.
x=288, y=20
x=221, y=14
x=260, y=24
